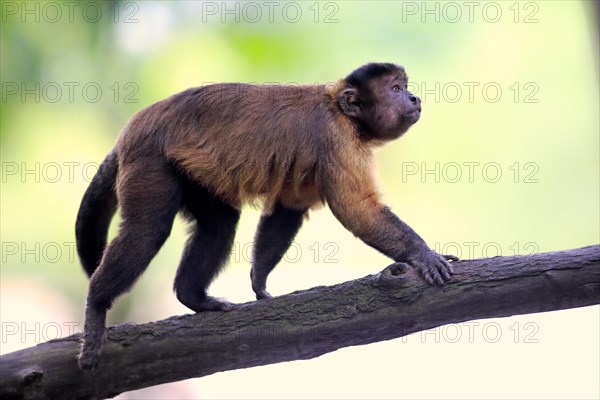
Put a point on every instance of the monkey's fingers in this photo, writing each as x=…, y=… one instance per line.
x=445, y=268
x=447, y=264
x=450, y=257
x=428, y=277
x=433, y=267
x=438, y=274
x=431, y=272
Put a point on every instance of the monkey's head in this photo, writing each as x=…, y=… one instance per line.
x=376, y=97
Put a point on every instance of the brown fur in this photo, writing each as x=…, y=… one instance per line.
x=210, y=150
x=215, y=137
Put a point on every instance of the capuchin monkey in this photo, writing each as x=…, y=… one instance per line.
x=209, y=150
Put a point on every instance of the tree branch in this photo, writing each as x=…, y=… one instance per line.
x=305, y=324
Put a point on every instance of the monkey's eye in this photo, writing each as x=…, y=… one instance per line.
x=396, y=88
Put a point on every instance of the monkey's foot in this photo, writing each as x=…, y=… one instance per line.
x=262, y=294
x=89, y=356
x=433, y=267
x=259, y=285
x=216, y=304
x=208, y=303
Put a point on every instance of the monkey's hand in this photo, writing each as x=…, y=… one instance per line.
x=433, y=267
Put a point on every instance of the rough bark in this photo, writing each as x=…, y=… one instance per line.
x=305, y=324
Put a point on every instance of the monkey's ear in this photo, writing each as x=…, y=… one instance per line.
x=348, y=101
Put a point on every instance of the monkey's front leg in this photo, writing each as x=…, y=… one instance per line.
x=273, y=237
x=355, y=203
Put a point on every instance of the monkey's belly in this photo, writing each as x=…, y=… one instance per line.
x=292, y=195
x=302, y=197
x=239, y=181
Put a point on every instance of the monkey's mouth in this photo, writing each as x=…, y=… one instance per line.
x=414, y=114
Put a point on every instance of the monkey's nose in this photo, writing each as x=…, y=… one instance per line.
x=415, y=99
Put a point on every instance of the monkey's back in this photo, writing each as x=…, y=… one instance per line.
x=243, y=142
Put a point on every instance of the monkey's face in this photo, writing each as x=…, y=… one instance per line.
x=378, y=99
x=391, y=108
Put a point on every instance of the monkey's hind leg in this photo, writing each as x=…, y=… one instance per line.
x=150, y=197
x=274, y=236
x=206, y=250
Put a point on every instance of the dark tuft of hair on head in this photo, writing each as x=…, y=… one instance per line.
x=359, y=77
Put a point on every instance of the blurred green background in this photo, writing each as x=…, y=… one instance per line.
x=505, y=159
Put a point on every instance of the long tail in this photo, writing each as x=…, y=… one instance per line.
x=97, y=208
